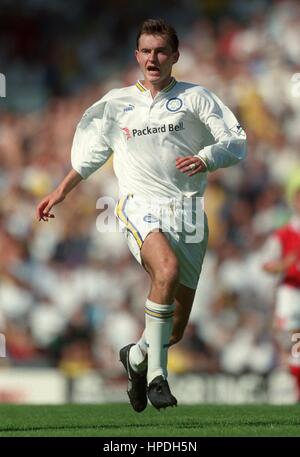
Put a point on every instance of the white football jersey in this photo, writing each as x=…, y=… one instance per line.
x=147, y=134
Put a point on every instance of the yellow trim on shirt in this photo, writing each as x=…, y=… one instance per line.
x=170, y=86
x=140, y=86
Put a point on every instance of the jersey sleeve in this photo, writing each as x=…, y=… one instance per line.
x=230, y=145
x=90, y=149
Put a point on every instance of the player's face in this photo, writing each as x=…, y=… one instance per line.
x=156, y=58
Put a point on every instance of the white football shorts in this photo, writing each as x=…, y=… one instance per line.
x=287, y=308
x=183, y=223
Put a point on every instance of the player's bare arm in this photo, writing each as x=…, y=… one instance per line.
x=281, y=265
x=190, y=165
x=58, y=195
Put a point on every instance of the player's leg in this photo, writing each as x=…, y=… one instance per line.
x=183, y=305
x=191, y=258
x=183, y=301
x=153, y=251
x=163, y=270
x=137, y=381
x=184, y=297
x=161, y=263
x=150, y=357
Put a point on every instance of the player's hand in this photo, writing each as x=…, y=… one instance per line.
x=190, y=165
x=44, y=207
x=281, y=265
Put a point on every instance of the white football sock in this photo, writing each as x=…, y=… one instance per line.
x=138, y=353
x=159, y=325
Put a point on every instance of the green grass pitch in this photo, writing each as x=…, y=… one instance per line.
x=118, y=420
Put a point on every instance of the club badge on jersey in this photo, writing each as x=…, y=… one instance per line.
x=174, y=104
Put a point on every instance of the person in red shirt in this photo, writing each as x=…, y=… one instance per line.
x=284, y=259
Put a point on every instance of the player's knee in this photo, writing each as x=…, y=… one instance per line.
x=167, y=275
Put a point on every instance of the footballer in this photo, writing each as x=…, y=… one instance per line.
x=165, y=137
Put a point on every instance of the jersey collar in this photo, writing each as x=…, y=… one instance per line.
x=169, y=87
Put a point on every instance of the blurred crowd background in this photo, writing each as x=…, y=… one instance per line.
x=71, y=297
